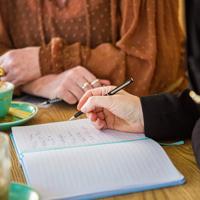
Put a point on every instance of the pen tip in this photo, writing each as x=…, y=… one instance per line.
x=42, y=104
x=72, y=118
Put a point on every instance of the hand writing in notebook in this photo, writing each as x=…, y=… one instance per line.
x=121, y=111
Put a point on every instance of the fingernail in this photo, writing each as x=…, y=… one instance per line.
x=83, y=109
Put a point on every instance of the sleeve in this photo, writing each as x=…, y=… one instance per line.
x=105, y=61
x=193, y=42
x=110, y=60
x=133, y=54
x=196, y=141
x=168, y=116
x=5, y=43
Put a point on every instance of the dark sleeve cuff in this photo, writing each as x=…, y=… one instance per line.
x=168, y=117
x=196, y=141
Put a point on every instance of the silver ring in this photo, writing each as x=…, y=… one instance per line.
x=94, y=82
x=85, y=85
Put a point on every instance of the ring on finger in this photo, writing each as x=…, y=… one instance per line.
x=2, y=71
x=94, y=82
x=85, y=85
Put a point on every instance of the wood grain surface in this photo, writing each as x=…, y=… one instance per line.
x=182, y=157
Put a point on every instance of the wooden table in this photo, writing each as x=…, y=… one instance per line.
x=182, y=157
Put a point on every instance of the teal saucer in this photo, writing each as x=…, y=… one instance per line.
x=22, y=192
x=10, y=121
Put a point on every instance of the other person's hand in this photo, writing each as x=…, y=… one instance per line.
x=121, y=111
x=69, y=85
x=21, y=65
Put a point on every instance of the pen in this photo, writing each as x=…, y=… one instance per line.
x=112, y=92
x=50, y=101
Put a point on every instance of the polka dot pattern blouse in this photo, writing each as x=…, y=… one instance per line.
x=114, y=39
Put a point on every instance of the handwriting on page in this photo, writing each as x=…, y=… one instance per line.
x=67, y=134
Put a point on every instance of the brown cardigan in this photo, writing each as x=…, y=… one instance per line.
x=114, y=39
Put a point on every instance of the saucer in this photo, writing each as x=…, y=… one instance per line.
x=22, y=192
x=10, y=121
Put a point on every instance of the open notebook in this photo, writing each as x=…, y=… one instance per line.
x=73, y=160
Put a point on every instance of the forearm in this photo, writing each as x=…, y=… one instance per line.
x=40, y=87
x=168, y=116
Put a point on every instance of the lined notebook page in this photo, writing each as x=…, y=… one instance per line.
x=65, y=134
x=120, y=167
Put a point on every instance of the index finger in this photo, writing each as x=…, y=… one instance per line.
x=101, y=91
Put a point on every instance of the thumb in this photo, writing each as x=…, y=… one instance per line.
x=97, y=102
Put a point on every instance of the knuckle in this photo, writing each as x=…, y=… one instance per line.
x=16, y=72
x=79, y=68
x=87, y=93
x=10, y=55
x=79, y=95
x=12, y=72
x=61, y=88
x=63, y=82
x=71, y=73
x=71, y=99
x=66, y=80
x=107, y=89
x=59, y=92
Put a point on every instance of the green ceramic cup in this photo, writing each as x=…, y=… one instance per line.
x=6, y=93
x=19, y=191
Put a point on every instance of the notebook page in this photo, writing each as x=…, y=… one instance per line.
x=100, y=170
x=65, y=134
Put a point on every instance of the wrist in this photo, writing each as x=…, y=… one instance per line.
x=38, y=68
x=140, y=115
x=137, y=119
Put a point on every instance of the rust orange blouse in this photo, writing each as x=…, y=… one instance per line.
x=114, y=39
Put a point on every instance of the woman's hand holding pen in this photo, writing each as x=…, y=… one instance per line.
x=121, y=111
